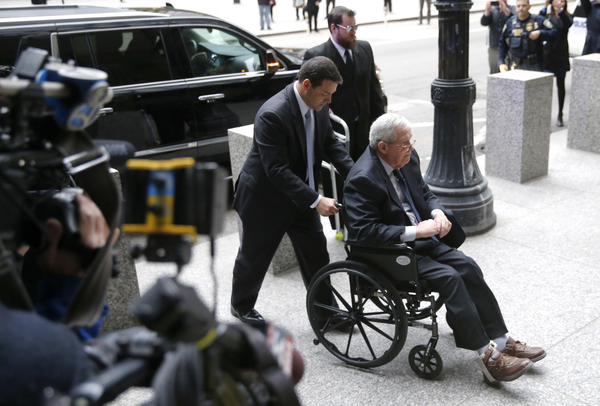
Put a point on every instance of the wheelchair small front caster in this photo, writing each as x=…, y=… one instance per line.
x=423, y=367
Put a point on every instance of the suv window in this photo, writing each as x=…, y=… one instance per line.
x=12, y=46
x=213, y=51
x=128, y=57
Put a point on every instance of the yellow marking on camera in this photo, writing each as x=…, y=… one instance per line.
x=148, y=164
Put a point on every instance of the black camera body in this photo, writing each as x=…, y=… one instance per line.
x=44, y=154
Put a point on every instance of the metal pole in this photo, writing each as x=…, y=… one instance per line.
x=453, y=174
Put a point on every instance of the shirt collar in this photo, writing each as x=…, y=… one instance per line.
x=341, y=49
x=387, y=167
x=303, y=107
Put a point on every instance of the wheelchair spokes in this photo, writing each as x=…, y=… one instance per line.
x=374, y=316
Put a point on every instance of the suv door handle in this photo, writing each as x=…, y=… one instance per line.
x=106, y=110
x=211, y=97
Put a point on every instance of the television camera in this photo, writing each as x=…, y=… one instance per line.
x=183, y=352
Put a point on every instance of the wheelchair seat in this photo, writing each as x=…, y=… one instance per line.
x=377, y=293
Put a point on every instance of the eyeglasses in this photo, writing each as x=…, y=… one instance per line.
x=349, y=27
x=407, y=146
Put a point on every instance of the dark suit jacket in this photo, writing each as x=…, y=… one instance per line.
x=275, y=169
x=359, y=98
x=374, y=211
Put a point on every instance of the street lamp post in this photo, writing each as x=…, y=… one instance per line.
x=453, y=174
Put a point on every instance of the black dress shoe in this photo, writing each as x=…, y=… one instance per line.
x=559, y=122
x=251, y=317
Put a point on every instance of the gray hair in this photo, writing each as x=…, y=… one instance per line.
x=384, y=129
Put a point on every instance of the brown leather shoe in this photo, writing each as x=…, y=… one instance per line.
x=521, y=350
x=501, y=367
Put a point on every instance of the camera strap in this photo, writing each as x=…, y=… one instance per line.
x=89, y=165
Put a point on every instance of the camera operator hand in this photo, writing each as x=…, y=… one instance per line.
x=94, y=233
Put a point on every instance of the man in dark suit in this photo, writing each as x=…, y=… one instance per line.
x=358, y=100
x=276, y=190
x=387, y=201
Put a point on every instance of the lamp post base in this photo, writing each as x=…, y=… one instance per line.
x=473, y=207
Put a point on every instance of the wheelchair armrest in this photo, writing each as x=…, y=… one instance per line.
x=400, y=248
x=397, y=262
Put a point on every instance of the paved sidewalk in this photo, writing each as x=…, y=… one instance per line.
x=542, y=262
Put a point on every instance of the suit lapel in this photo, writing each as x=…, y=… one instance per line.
x=298, y=119
x=335, y=56
x=388, y=183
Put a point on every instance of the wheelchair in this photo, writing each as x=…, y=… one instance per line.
x=377, y=295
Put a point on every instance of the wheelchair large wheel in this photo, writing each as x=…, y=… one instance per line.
x=428, y=368
x=366, y=306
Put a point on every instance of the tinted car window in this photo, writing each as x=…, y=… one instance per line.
x=12, y=46
x=129, y=57
x=213, y=51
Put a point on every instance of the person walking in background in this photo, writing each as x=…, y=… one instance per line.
x=358, y=100
x=264, y=8
x=312, y=9
x=332, y=2
x=387, y=4
x=299, y=5
x=273, y=3
x=494, y=17
x=556, y=53
x=421, y=3
x=592, y=40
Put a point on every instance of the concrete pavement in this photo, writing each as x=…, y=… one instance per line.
x=542, y=262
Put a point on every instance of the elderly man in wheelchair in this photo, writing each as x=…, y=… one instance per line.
x=402, y=247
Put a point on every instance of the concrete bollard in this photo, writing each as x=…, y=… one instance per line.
x=519, y=108
x=584, y=117
x=240, y=143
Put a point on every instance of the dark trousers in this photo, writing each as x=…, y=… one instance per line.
x=421, y=4
x=388, y=3
x=327, y=6
x=471, y=308
x=260, y=240
x=312, y=16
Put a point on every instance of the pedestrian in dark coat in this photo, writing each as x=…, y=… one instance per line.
x=592, y=40
x=312, y=9
x=556, y=53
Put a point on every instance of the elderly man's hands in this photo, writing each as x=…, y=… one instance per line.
x=443, y=225
x=426, y=229
x=439, y=226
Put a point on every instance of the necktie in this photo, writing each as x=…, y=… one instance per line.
x=310, y=145
x=406, y=193
x=349, y=61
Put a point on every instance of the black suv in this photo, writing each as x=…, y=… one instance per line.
x=180, y=79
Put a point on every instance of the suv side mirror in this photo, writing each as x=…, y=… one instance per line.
x=272, y=62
